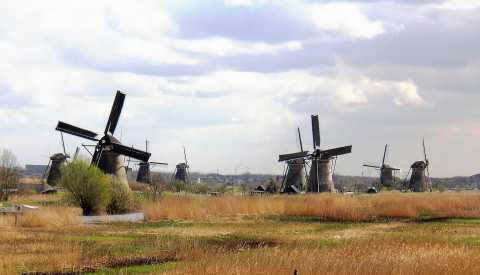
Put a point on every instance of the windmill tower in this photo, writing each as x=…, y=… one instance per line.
x=387, y=172
x=320, y=178
x=294, y=174
x=52, y=173
x=181, y=172
x=144, y=168
x=109, y=151
x=418, y=182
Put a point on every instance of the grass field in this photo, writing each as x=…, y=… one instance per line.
x=386, y=233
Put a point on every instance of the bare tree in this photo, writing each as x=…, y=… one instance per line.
x=9, y=174
x=157, y=185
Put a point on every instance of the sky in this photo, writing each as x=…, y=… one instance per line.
x=232, y=80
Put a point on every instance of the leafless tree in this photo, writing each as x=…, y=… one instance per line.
x=157, y=185
x=9, y=174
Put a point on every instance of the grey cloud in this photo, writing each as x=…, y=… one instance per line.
x=268, y=22
x=79, y=58
x=11, y=100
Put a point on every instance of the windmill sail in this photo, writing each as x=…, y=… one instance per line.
x=109, y=151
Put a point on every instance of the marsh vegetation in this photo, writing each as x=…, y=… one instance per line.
x=386, y=233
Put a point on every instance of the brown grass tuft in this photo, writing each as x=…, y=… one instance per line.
x=368, y=256
x=44, y=217
x=329, y=207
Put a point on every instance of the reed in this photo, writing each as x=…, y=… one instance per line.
x=52, y=216
x=367, y=256
x=329, y=207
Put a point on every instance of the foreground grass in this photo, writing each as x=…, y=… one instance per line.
x=326, y=207
x=228, y=237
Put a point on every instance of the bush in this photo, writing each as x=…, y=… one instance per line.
x=122, y=197
x=9, y=174
x=272, y=186
x=87, y=186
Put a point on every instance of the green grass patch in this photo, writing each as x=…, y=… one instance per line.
x=159, y=224
x=327, y=242
x=97, y=238
x=336, y=226
x=286, y=218
x=141, y=269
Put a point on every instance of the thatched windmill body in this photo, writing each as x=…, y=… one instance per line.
x=320, y=177
x=387, y=172
x=294, y=174
x=418, y=181
x=144, y=167
x=109, y=151
x=53, y=171
x=181, y=172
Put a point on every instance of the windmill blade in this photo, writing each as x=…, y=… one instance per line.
x=391, y=168
x=424, y=151
x=76, y=153
x=384, y=154
x=315, y=131
x=76, y=131
x=46, y=170
x=371, y=165
x=429, y=180
x=160, y=163
x=336, y=151
x=406, y=177
x=300, y=139
x=316, y=171
x=291, y=156
x=63, y=146
x=130, y=152
x=97, y=154
x=426, y=162
x=185, y=155
x=115, y=113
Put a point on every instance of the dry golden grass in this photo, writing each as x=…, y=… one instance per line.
x=329, y=207
x=178, y=207
x=48, y=216
x=23, y=252
x=367, y=256
x=258, y=235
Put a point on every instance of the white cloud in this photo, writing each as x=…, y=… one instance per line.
x=457, y=5
x=236, y=3
x=12, y=117
x=226, y=47
x=348, y=94
x=344, y=19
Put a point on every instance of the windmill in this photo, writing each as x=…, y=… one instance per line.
x=320, y=178
x=52, y=173
x=387, y=172
x=418, y=182
x=294, y=175
x=109, y=152
x=181, y=172
x=145, y=167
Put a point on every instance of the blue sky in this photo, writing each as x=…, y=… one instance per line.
x=231, y=80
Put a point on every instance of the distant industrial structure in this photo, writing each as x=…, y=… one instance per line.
x=34, y=170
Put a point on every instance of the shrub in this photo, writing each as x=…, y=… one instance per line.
x=121, y=197
x=87, y=186
x=9, y=174
x=272, y=186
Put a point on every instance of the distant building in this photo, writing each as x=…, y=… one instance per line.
x=34, y=170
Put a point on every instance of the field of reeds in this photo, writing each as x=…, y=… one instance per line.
x=385, y=233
